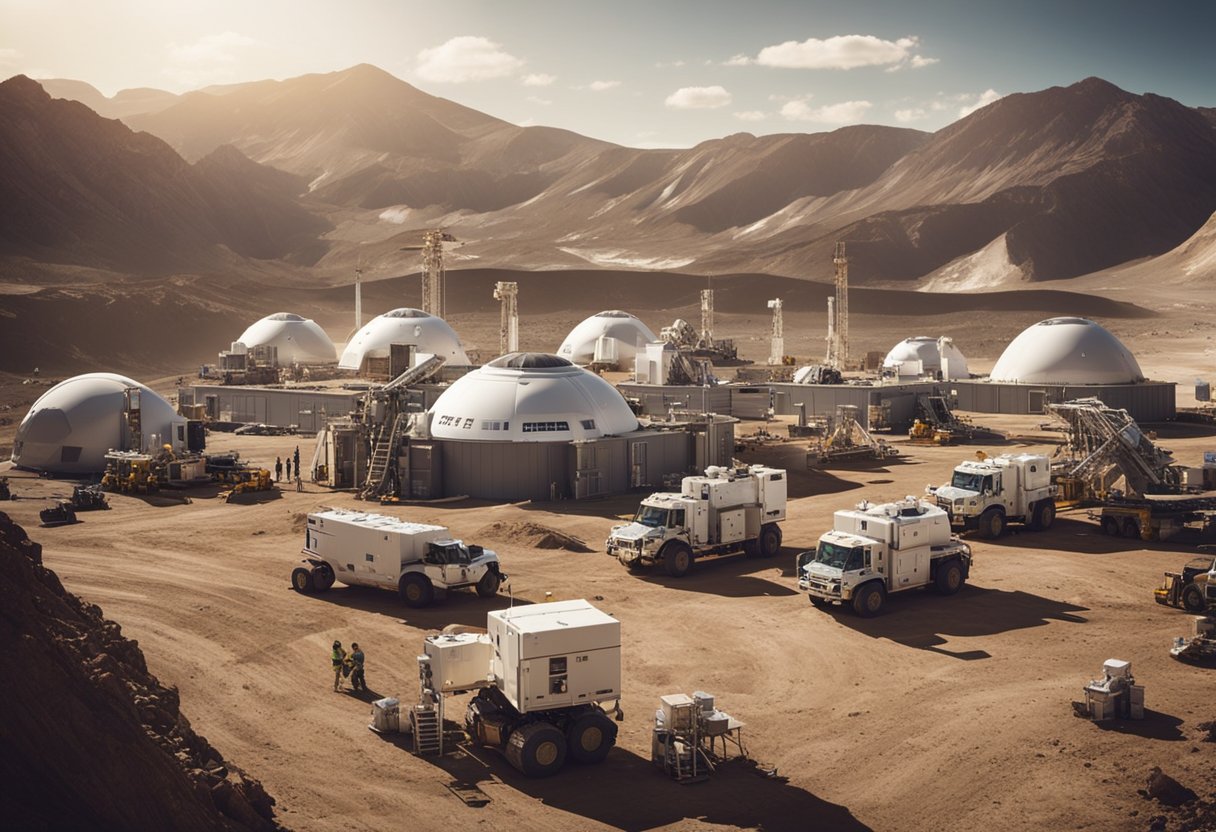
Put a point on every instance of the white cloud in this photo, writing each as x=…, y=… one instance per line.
x=538, y=79
x=737, y=60
x=920, y=61
x=9, y=57
x=985, y=98
x=911, y=114
x=839, y=52
x=536, y=99
x=846, y=112
x=210, y=59
x=466, y=58
x=698, y=98
x=750, y=115
x=600, y=86
x=666, y=64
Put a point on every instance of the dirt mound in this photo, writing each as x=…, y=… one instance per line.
x=534, y=535
x=100, y=743
x=1167, y=790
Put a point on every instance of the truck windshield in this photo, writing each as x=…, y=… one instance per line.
x=651, y=516
x=844, y=558
x=969, y=482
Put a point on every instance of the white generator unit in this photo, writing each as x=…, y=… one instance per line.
x=416, y=559
x=542, y=673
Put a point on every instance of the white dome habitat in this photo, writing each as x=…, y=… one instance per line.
x=72, y=426
x=611, y=337
x=428, y=334
x=904, y=357
x=530, y=397
x=298, y=340
x=1066, y=351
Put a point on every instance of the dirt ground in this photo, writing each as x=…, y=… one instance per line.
x=942, y=714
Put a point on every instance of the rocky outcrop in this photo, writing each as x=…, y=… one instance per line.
x=90, y=739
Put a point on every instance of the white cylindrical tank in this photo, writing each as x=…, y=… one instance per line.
x=1067, y=351
x=297, y=339
x=614, y=332
x=921, y=355
x=69, y=429
x=428, y=334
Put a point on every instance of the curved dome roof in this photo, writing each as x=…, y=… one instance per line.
x=622, y=333
x=530, y=397
x=1067, y=351
x=298, y=339
x=430, y=335
x=72, y=426
x=926, y=350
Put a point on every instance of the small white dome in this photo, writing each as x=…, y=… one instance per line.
x=904, y=355
x=299, y=340
x=428, y=334
x=1066, y=351
x=623, y=335
x=530, y=397
x=72, y=426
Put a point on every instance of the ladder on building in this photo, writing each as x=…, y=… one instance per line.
x=427, y=728
x=386, y=446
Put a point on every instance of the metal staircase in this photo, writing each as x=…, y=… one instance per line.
x=386, y=445
x=426, y=725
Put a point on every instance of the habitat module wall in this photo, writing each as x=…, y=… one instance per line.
x=309, y=410
x=1146, y=401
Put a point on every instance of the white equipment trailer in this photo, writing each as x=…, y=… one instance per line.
x=362, y=549
x=541, y=673
x=729, y=510
x=875, y=550
x=988, y=493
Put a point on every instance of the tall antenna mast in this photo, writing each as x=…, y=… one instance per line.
x=776, y=351
x=838, y=323
x=359, y=296
x=508, y=330
x=707, y=316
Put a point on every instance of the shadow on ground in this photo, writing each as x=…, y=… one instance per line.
x=732, y=576
x=461, y=606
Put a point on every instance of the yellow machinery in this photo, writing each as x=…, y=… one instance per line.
x=130, y=473
x=246, y=481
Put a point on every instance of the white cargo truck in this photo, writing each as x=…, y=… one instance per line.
x=542, y=674
x=729, y=510
x=875, y=550
x=987, y=494
x=362, y=549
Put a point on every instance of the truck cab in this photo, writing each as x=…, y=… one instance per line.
x=986, y=494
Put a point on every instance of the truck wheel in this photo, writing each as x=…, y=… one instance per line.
x=1110, y=526
x=818, y=602
x=322, y=578
x=590, y=737
x=751, y=548
x=416, y=590
x=1193, y=600
x=992, y=524
x=677, y=559
x=950, y=577
x=1131, y=529
x=301, y=580
x=869, y=600
x=1044, y=515
x=537, y=749
x=487, y=587
x=770, y=540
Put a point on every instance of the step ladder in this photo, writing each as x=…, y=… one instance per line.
x=386, y=444
x=427, y=726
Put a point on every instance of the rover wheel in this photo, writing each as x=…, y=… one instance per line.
x=950, y=577
x=677, y=559
x=537, y=749
x=416, y=590
x=770, y=540
x=301, y=580
x=818, y=602
x=1131, y=529
x=1193, y=600
x=487, y=587
x=590, y=737
x=992, y=524
x=869, y=600
x=1110, y=526
x=322, y=578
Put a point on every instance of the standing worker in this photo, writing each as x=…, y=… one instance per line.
x=338, y=658
x=356, y=674
x=278, y=468
x=297, y=457
x=289, y=469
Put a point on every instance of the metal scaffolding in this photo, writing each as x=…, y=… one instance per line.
x=508, y=329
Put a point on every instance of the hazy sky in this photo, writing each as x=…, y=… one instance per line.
x=639, y=73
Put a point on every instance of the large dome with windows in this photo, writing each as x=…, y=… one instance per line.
x=69, y=429
x=297, y=339
x=1066, y=351
x=428, y=334
x=610, y=337
x=530, y=397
